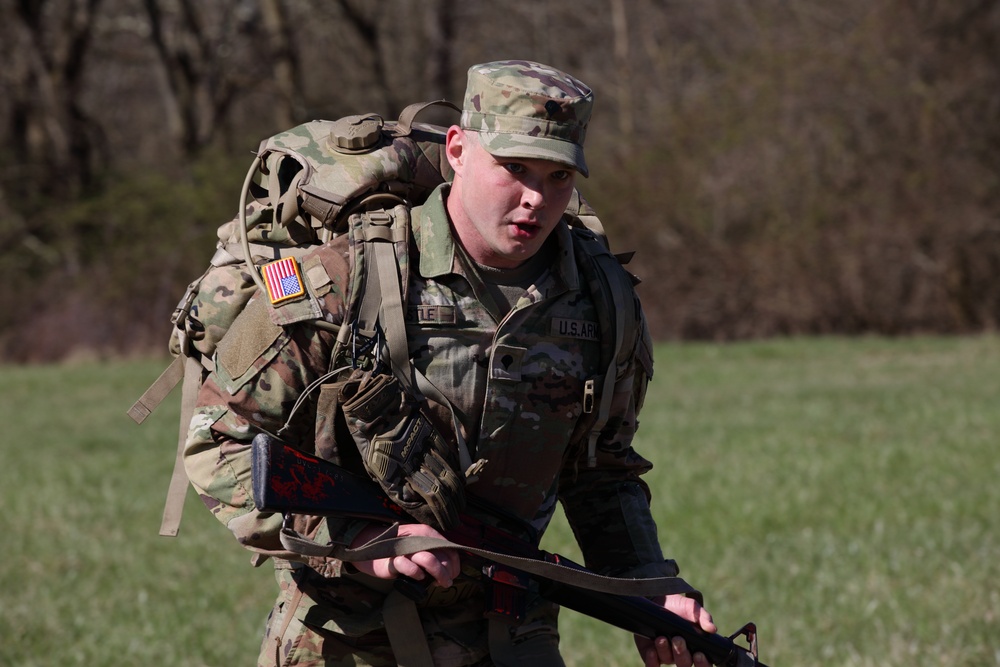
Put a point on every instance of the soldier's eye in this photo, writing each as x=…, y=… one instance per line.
x=514, y=167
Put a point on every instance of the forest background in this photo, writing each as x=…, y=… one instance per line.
x=784, y=168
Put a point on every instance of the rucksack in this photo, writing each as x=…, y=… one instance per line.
x=325, y=178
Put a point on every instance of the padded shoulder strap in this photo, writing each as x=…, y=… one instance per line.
x=381, y=243
x=385, y=234
x=613, y=295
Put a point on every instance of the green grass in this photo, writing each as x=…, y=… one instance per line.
x=840, y=493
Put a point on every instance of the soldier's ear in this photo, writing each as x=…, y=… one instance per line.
x=455, y=146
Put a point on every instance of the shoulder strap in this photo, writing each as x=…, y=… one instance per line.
x=613, y=295
x=384, y=238
x=384, y=234
x=382, y=302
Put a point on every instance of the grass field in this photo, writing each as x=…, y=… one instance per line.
x=843, y=494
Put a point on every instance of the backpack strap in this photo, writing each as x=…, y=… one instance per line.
x=154, y=395
x=191, y=367
x=173, y=507
x=611, y=289
x=383, y=297
x=191, y=370
x=383, y=303
x=404, y=126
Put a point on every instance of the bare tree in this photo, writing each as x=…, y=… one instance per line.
x=767, y=156
x=197, y=52
x=619, y=22
x=364, y=21
x=48, y=125
x=287, y=72
x=439, y=22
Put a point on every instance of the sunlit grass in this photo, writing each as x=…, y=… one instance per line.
x=840, y=493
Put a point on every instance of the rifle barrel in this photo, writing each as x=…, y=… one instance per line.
x=648, y=619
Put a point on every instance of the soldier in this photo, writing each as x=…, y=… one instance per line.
x=502, y=324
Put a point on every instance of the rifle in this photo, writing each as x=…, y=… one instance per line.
x=290, y=481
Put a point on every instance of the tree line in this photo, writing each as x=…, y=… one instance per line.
x=783, y=168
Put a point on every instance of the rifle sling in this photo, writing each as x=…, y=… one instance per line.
x=390, y=544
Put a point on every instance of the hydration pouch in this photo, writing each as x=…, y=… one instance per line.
x=402, y=450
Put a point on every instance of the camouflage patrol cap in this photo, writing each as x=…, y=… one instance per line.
x=528, y=110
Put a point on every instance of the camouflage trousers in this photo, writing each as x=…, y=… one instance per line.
x=300, y=632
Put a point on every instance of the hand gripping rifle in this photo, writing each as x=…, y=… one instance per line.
x=290, y=481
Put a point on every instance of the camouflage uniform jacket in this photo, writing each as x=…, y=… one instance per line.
x=516, y=382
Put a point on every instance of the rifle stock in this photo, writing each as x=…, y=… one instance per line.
x=288, y=480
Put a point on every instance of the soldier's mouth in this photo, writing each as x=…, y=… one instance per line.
x=526, y=229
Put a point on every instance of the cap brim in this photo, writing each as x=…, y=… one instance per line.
x=506, y=144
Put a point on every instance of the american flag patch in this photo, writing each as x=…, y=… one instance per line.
x=283, y=279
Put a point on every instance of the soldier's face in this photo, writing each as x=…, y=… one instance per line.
x=503, y=209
